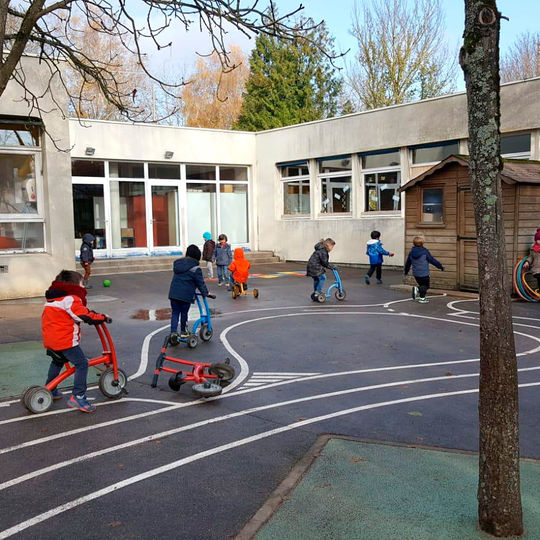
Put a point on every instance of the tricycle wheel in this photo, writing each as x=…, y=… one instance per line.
x=176, y=381
x=207, y=389
x=206, y=333
x=109, y=387
x=340, y=295
x=225, y=371
x=256, y=293
x=235, y=291
x=38, y=399
x=321, y=298
x=192, y=341
x=25, y=393
x=174, y=339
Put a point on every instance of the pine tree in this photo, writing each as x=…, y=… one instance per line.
x=290, y=82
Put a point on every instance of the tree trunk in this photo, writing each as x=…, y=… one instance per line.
x=499, y=499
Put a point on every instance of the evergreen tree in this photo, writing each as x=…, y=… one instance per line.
x=290, y=82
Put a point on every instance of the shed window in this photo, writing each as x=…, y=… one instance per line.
x=432, y=206
x=434, y=153
x=296, y=192
x=381, y=191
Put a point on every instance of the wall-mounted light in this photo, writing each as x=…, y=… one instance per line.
x=169, y=154
x=89, y=151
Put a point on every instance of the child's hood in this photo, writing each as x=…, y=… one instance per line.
x=373, y=241
x=185, y=264
x=318, y=246
x=238, y=254
x=88, y=238
x=59, y=289
x=417, y=252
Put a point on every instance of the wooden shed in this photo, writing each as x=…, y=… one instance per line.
x=439, y=207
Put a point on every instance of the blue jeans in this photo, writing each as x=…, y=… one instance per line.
x=318, y=282
x=223, y=274
x=179, y=311
x=76, y=357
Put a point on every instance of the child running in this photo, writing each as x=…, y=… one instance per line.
x=87, y=257
x=240, y=268
x=208, y=253
x=420, y=258
x=186, y=279
x=375, y=251
x=62, y=315
x=318, y=263
x=223, y=257
x=533, y=260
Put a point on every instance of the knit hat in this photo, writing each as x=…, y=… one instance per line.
x=193, y=252
x=537, y=235
x=207, y=236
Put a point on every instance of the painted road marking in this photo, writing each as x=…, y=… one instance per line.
x=40, y=518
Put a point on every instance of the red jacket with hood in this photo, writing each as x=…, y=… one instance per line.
x=62, y=315
x=240, y=266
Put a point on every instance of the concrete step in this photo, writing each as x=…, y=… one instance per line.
x=107, y=267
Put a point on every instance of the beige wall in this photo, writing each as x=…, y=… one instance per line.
x=438, y=119
x=30, y=274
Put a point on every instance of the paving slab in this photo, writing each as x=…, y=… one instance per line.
x=356, y=489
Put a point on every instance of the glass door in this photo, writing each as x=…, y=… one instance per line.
x=164, y=217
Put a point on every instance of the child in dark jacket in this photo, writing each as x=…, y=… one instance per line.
x=420, y=258
x=223, y=257
x=375, y=251
x=186, y=279
x=318, y=263
x=208, y=253
x=61, y=319
x=87, y=257
x=533, y=260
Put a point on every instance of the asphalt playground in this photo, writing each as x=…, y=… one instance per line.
x=159, y=463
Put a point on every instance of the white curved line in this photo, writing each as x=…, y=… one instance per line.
x=450, y=305
x=143, y=364
x=40, y=518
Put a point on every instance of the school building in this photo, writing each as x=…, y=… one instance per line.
x=146, y=190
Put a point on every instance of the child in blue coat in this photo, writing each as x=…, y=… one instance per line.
x=375, y=251
x=419, y=259
x=186, y=279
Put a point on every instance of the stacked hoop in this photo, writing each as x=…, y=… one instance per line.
x=521, y=286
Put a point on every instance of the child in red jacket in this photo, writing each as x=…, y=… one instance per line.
x=62, y=315
x=240, y=267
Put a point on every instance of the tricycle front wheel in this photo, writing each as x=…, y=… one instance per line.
x=340, y=295
x=109, y=387
x=38, y=399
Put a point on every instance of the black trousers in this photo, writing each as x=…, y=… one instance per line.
x=377, y=268
x=537, y=276
x=423, y=285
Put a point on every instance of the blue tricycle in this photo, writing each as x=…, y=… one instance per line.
x=203, y=325
x=337, y=285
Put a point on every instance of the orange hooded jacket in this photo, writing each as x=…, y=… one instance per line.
x=240, y=266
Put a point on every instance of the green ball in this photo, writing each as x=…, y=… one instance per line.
x=106, y=283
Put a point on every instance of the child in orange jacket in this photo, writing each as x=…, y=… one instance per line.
x=62, y=316
x=240, y=267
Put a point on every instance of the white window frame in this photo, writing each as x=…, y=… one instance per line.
x=39, y=217
x=335, y=175
x=428, y=163
x=382, y=170
x=287, y=179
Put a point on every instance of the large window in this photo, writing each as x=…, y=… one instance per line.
x=382, y=191
x=128, y=214
x=89, y=213
x=164, y=171
x=123, y=169
x=432, y=206
x=295, y=183
x=201, y=211
x=233, y=204
x=87, y=167
x=433, y=153
x=516, y=146
x=335, y=177
x=380, y=160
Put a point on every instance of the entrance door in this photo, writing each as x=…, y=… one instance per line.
x=164, y=217
x=467, y=253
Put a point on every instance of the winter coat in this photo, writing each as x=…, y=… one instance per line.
x=223, y=255
x=62, y=315
x=87, y=253
x=319, y=261
x=420, y=258
x=186, y=279
x=375, y=251
x=534, y=261
x=240, y=266
x=208, y=250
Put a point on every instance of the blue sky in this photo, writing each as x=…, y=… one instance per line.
x=524, y=15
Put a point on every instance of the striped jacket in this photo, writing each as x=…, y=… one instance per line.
x=61, y=319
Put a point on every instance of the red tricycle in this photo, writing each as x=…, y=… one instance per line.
x=112, y=381
x=209, y=379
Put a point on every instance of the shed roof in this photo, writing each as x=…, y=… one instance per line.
x=515, y=171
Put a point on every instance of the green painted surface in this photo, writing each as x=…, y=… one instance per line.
x=23, y=364
x=377, y=492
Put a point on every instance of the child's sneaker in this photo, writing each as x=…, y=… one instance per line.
x=379, y=282
x=366, y=279
x=56, y=394
x=415, y=292
x=184, y=334
x=81, y=403
x=423, y=301
x=220, y=284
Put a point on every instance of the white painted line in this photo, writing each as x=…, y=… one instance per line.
x=253, y=384
x=282, y=374
x=143, y=364
x=40, y=518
